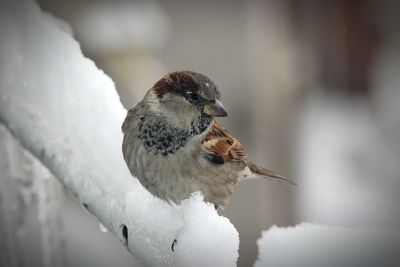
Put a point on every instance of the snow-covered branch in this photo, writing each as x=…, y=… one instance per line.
x=67, y=113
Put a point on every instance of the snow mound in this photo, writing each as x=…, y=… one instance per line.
x=309, y=245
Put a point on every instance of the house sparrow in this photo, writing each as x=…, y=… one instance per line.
x=174, y=146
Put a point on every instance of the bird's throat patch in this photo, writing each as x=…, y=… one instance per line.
x=159, y=137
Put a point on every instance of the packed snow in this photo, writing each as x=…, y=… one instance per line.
x=67, y=113
x=311, y=245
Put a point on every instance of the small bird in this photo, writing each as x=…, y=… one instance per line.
x=174, y=146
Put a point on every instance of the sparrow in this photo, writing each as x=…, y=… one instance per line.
x=174, y=146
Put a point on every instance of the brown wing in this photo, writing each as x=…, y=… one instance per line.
x=220, y=147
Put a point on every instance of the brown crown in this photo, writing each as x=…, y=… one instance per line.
x=176, y=82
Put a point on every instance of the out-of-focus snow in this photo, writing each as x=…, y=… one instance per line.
x=106, y=27
x=310, y=245
x=68, y=114
x=346, y=165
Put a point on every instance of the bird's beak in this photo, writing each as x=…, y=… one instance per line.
x=215, y=109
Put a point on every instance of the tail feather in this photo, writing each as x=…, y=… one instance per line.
x=265, y=172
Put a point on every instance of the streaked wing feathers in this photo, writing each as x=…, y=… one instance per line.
x=220, y=147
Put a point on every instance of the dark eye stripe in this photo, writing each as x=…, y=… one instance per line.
x=195, y=98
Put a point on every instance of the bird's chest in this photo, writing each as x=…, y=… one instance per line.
x=169, y=175
x=170, y=164
x=175, y=176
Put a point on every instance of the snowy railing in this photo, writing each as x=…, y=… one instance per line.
x=67, y=113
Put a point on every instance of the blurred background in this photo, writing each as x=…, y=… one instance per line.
x=311, y=88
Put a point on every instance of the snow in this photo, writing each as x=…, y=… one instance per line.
x=346, y=165
x=67, y=113
x=123, y=24
x=309, y=245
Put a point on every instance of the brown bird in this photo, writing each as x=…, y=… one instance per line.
x=174, y=146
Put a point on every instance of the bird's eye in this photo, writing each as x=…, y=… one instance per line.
x=194, y=96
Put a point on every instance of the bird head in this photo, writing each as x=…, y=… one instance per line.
x=184, y=96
